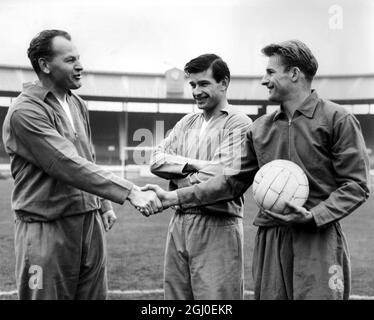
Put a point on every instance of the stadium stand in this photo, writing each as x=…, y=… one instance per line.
x=130, y=110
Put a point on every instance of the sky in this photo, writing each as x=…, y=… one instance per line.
x=152, y=36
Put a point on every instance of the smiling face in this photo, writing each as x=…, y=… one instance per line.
x=64, y=69
x=207, y=92
x=277, y=79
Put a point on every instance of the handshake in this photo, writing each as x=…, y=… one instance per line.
x=152, y=199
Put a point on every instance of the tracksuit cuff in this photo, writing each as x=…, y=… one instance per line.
x=320, y=213
x=187, y=198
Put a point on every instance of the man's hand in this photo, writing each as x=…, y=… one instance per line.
x=295, y=215
x=145, y=201
x=108, y=218
x=168, y=198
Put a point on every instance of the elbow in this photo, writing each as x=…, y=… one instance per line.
x=367, y=192
x=154, y=167
x=155, y=162
x=366, y=186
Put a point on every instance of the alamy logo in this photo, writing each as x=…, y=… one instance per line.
x=36, y=278
x=336, y=280
x=336, y=17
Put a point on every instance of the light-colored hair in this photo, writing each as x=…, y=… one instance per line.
x=294, y=53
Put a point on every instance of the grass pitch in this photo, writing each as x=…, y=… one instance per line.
x=136, y=247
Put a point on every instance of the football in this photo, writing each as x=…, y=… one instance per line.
x=279, y=181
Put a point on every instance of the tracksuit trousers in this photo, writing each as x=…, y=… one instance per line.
x=61, y=259
x=300, y=263
x=204, y=258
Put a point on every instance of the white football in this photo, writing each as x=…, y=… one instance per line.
x=279, y=181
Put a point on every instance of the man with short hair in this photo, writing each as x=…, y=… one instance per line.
x=204, y=249
x=302, y=254
x=60, y=196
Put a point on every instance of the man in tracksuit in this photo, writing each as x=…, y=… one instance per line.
x=204, y=248
x=302, y=254
x=60, y=197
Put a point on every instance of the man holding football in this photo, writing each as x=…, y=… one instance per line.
x=302, y=254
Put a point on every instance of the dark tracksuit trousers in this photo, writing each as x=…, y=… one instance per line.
x=78, y=271
x=300, y=263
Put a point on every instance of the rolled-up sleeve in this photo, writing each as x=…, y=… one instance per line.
x=42, y=145
x=351, y=165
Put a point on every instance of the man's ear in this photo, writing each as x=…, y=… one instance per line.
x=44, y=65
x=295, y=74
x=225, y=83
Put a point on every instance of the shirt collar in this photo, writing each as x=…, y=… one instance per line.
x=228, y=109
x=37, y=90
x=307, y=108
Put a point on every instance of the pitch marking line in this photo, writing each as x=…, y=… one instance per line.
x=8, y=293
x=155, y=291
x=135, y=292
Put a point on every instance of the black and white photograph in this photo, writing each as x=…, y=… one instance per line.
x=197, y=151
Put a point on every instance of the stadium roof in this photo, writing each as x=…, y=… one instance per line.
x=141, y=87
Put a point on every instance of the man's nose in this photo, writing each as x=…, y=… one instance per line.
x=265, y=80
x=196, y=91
x=78, y=66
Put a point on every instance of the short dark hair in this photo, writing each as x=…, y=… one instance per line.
x=294, y=53
x=41, y=46
x=203, y=62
